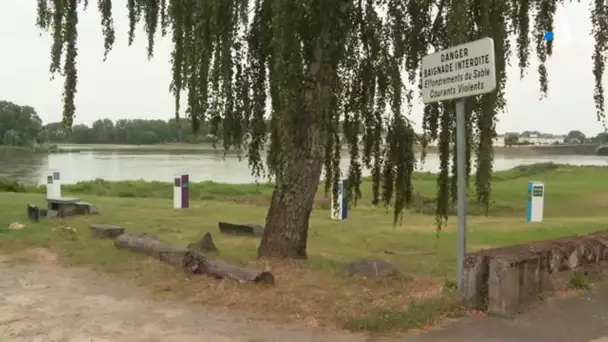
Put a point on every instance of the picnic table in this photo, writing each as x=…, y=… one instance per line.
x=68, y=206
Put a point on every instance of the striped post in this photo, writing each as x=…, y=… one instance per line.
x=53, y=184
x=341, y=211
x=181, y=192
x=536, y=202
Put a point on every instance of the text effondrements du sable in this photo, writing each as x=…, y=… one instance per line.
x=457, y=60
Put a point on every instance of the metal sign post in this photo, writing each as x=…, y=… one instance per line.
x=461, y=181
x=453, y=74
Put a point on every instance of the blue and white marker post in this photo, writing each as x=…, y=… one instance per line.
x=536, y=202
x=181, y=192
x=341, y=211
x=53, y=184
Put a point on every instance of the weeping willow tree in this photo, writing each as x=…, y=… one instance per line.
x=318, y=64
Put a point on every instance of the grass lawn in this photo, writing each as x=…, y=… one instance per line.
x=576, y=203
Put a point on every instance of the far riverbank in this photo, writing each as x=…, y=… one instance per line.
x=581, y=149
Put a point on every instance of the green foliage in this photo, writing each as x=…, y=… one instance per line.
x=579, y=281
x=426, y=205
x=576, y=137
x=7, y=185
x=36, y=149
x=143, y=189
x=133, y=132
x=511, y=139
x=124, y=131
x=601, y=138
x=318, y=62
x=19, y=125
x=11, y=137
x=526, y=171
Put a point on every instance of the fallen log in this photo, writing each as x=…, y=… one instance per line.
x=222, y=269
x=190, y=260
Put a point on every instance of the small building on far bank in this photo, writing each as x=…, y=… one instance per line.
x=525, y=138
x=541, y=139
x=529, y=138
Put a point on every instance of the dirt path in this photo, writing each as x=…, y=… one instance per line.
x=578, y=317
x=42, y=302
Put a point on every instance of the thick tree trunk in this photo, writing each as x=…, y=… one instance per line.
x=286, y=231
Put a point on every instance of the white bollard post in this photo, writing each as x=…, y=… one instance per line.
x=536, y=202
x=53, y=184
x=341, y=212
x=177, y=192
x=50, y=191
x=57, y=183
x=181, y=192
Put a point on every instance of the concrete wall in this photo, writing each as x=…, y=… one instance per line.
x=504, y=281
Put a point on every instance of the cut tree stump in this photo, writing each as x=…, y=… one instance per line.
x=205, y=245
x=190, y=260
x=105, y=231
x=241, y=229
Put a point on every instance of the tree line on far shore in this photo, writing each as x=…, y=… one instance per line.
x=573, y=137
x=21, y=126
x=130, y=132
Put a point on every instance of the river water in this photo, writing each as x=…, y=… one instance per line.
x=212, y=166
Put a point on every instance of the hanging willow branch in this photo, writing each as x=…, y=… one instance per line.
x=231, y=68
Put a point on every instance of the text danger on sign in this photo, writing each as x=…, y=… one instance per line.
x=461, y=71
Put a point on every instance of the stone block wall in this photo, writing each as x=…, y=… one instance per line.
x=505, y=280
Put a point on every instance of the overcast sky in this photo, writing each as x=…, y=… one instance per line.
x=130, y=86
